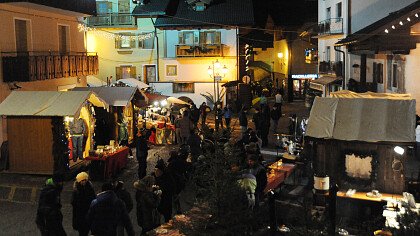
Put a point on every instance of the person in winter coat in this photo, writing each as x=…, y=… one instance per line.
x=256, y=169
x=186, y=126
x=141, y=153
x=203, y=112
x=148, y=199
x=125, y=196
x=218, y=117
x=195, y=114
x=49, y=218
x=106, y=212
x=265, y=124
x=243, y=121
x=275, y=115
x=167, y=184
x=248, y=182
x=257, y=119
x=179, y=169
x=227, y=113
x=82, y=197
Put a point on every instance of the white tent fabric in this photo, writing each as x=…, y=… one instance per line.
x=133, y=83
x=47, y=103
x=174, y=100
x=350, y=94
x=114, y=96
x=363, y=119
x=93, y=81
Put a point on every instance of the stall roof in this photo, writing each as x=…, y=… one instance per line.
x=326, y=80
x=114, y=96
x=364, y=119
x=47, y=103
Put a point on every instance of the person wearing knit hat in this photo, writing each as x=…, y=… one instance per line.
x=166, y=183
x=83, y=194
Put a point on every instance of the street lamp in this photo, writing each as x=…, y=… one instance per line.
x=217, y=73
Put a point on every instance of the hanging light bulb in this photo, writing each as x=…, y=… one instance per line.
x=401, y=23
x=408, y=19
x=416, y=15
x=386, y=31
x=393, y=27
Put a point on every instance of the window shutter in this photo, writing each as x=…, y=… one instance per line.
x=202, y=37
x=217, y=37
x=132, y=42
x=133, y=72
x=181, y=38
x=196, y=37
x=118, y=73
x=117, y=43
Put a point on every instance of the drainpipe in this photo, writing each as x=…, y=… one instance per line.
x=343, y=70
x=157, y=50
x=237, y=66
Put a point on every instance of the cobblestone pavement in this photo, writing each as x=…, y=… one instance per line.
x=19, y=193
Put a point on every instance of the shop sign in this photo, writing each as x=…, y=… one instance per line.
x=305, y=76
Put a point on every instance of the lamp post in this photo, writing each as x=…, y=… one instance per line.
x=217, y=73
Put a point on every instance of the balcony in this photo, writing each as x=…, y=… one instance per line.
x=111, y=20
x=201, y=50
x=81, y=6
x=330, y=67
x=330, y=27
x=35, y=66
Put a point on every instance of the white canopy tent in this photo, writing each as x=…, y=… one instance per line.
x=132, y=83
x=364, y=118
x=93, y=81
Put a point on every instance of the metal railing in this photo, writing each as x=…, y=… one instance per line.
x=330, y=26
x=111, y=20
x=82, y=6
x=199, y=50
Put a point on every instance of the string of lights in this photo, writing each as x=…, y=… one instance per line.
x=110, y=35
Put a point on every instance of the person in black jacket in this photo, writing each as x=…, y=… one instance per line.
x=166, y=183
x=243, y=121
x=82, y=197
x=260, y=173
x=49, y=218
x=141, y=153
x=275, y=115
x=106, y=211
x=125, y=196
x=218, y=117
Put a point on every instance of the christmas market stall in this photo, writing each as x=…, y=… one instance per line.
x=43, y=125
x=364, y=144
x=118, y=122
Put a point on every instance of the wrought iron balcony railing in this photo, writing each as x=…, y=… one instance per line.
x=111, y=20
x=82, y=6
x=330, y=67
x=330, y=27
x=33, y=66
x=199, y=50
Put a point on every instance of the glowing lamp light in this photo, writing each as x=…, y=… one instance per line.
x=156, y=104
x=393, y=27
x=217, y=64
x=386, y=31
x=164, y=103
x=210, y=71
x=225, y=70
x=399, y=150
x=401, y=23
x=280, y=55
x=416, y=15
x=408, y=19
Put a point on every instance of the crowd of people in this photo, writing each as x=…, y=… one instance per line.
x=157, y=196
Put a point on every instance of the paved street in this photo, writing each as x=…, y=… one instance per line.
x=19, y=193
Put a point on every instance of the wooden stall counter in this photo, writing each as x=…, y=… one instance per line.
x=109, y=164
x=277, y=174
x=365, y=196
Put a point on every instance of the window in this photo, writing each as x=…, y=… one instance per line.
x=125, y=41
x=339, y=10
x=147, y=42
x=210, y=37
x=149, y=73
x=124, y=6
x=328, y=16
x=183, y=87
x=21, y=35
x=125, y=72
x=103, y=7
x=377, y=74
x=328, y=53
x=171, y=70
x=338, y=55
x=63, y=39
x=188, y=37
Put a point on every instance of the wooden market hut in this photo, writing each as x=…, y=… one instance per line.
x=36, y=123
x=121, y=105
x=352, y=138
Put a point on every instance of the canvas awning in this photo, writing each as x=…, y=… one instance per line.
x=325, y=80
x=364, y=119
x=132, y=83
x=93, y=81
x=114, y=96
x=47, y=103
